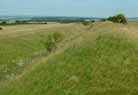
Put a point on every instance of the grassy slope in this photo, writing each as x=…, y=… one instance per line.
x=100, y=61
x=21, y=44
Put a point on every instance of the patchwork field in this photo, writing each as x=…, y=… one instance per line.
x=97, y=59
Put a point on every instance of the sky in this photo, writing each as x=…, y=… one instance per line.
x=81, y=8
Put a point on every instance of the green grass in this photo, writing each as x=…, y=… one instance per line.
x=100, y=61
x=20, y=48
x=15, y=51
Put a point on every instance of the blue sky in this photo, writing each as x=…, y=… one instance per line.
x=83, y=8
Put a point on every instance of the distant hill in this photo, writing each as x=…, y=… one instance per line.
x=46, y=18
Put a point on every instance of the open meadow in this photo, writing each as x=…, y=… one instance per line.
x=22, y=44
x=96, y=59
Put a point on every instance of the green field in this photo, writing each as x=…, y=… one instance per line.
x=23, y=44
x=97, y=59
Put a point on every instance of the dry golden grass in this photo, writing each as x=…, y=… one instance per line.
x=20, y=30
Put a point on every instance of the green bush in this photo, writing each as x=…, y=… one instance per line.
x=0, y=28
x=57, y=36
x=50, y=44
x=52, y=40
x=120, y=18
x=85, y=22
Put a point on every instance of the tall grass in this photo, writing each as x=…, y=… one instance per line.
x=19, y=49
x=102, y=63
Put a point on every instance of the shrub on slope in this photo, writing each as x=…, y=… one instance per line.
x=52, y=40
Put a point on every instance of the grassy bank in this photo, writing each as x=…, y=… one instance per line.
x=20, y=45
x=100, y=60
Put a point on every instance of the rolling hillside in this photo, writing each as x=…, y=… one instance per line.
x=97, y=59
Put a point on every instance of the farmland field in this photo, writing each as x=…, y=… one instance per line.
x=96, y=59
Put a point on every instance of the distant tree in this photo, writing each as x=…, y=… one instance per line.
x=103, y=19
x=120, y=18
x=92, y=21
x=85, y=22
x=21, y=22
x=45, y=23
x=3, y=23
x=17, y=22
